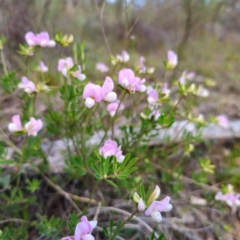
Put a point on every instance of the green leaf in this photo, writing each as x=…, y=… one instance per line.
x=106, y=231
x=111, y=183
x=70, y=227
x=5, y=161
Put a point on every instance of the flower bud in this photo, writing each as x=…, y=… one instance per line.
x=154, y=195
x=141, y=205
x=136, y=198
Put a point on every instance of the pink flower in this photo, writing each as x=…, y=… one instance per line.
x=15, y=125
x=102, y=67
x=223, y=121
x=231, y=199
x=141, y=205
x=107, y=94
x=64, y=65
x=172, y=60
x=33, y=126
x=124, y=57
x=28, y=86
x=92, y=93
x=78, y=74
x=41, y=39
x=110, y=148
x=165, y=89
x=186, y=76
x=43, y=67
x=83, y=230
x=112, y=107
x=158, y=206
x=152, y=97
x=95, y=93
x=130, y=82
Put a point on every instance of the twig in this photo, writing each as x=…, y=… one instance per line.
x=137, y=219
x=16, y=220
x=67, y=195
x=137, y=19
x=100, y=13
x=187, y=180
x=97, y=211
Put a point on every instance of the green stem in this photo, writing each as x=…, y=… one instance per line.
x=113, y=119
x=119, y=228
x=4, y=64
x=34, y=104
x=82, y=138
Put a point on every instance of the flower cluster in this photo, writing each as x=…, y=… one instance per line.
x=65, y=66
x=30, y=87
x=95, y=93
x=128, y=80
x=31, y=128
x=153, y=208
x=83, y=230
x=110, y=148
x=41, y=39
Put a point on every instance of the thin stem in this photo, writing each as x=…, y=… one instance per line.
x=34, y=103
x=4, y=64
x=113, y=119
x=119, y=228
x=93, y=192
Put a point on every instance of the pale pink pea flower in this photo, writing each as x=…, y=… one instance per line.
x=152, y=97
x=64, y=65
x=110, y=148
x=102, y=67
x=83, y=230
x=33, y=126
x=94, y=93
x=223, y=121
x=130, y=82
x=172, y=59
x=165, y=89
x=43, y=67
x=112, y=107
x=124, y=57
x=79, y=75
x=157, y=207
x=41, y=39
x=186, y=76
x=107, y=94
x=27, y=85
x=231, y=199
x=15, y=125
